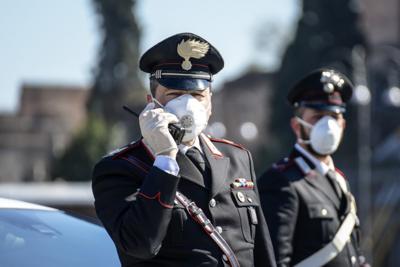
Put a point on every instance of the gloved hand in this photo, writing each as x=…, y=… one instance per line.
x=154, y=127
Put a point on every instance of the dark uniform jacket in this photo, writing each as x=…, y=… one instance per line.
x=303, y=213
x=135, y=202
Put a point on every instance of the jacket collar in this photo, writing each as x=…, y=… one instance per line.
x=315, y=178
x=219, y=164
x=320, y=166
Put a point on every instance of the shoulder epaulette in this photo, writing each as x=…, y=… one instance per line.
x=340, y=172
x=121, y=151
x=219, y=140
x=289, y=168
x=283, y=164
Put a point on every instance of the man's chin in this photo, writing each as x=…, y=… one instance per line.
x=189, y=142
x=317, y=154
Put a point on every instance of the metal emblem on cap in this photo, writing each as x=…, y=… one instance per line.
x=330, y=79
x=191, y=48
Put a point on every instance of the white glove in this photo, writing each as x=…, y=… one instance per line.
x=154, y=127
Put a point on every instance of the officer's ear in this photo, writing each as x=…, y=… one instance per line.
x=296, y=127
x=344, y=123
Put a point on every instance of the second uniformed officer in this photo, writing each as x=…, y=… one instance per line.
x=181, y=200
x=306, y=200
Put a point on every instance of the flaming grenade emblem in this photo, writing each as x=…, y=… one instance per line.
x=331, y=79
x=191, y=49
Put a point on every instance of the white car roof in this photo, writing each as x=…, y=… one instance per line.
x=50, y=193
x=6, y=203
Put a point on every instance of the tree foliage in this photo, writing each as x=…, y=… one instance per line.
x=76, y=162
x=116, y=82
x=116, y=76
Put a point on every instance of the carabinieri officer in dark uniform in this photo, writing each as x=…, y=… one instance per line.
x=306, y=200
x=185, y=200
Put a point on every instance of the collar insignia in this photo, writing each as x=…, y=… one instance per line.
x=211, y=146
x=331, y=79
x=191, y=48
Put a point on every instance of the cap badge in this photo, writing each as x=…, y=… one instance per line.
x=331, y=79
x=191, y=48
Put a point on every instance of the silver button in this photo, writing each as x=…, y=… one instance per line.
x=249, y=199
x=213, y=203
x=224, y=257
x=353, y=259
x=324, y=212
x=219, y=229
x=241, y=197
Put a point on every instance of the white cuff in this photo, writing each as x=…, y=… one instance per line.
x=167, y=164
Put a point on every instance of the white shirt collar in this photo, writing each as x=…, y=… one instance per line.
x=320, y=166
x=184, y=148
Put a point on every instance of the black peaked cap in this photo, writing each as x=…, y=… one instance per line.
x=325, y=88
x=183, y=61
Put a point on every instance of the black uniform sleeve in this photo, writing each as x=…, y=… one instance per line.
x=279, y=202
x=262, y=241
x=134, y=206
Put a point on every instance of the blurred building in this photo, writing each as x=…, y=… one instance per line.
x=381, y=21
x=42, y=127
x=241, y=113
x=381, y=25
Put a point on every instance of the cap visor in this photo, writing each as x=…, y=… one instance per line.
x=185, y=84
x=333, y=108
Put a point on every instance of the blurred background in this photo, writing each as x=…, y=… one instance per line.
x=67, y=67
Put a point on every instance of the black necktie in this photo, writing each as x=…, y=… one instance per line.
x=335, y=184
x=197, y=158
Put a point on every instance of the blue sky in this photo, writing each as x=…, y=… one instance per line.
x=57, y=42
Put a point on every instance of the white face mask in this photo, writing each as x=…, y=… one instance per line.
x=192, y=115
x=325, y=135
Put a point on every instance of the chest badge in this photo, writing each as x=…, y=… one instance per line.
x=242, y=183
